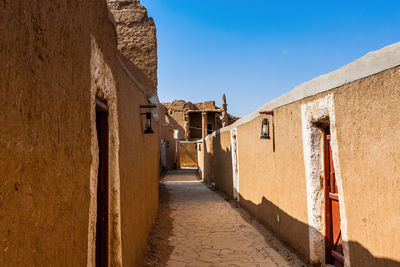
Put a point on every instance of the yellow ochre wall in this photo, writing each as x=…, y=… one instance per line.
x=45, y=137
x=272, y=185
x=188, y=155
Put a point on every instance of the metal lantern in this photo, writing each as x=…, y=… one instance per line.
x=265, y=133
x=148, y=129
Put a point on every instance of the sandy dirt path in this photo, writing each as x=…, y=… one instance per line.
x=198, y=227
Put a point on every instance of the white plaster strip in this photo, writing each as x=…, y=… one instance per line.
x=370, y=64
x=235, y=163
x=311, y=112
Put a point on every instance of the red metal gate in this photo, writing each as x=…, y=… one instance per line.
x=333, y=237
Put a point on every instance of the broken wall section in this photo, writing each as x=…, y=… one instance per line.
x=136, y=33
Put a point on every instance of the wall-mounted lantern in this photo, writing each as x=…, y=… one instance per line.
x=265, y=134
x=265, y=128
x=149, y=129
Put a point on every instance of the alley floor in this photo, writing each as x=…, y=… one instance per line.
x=197, y=227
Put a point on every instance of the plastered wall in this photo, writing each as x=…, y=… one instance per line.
x=273, y=183
x=188, y=155
x=369, y=154
x=46, y=138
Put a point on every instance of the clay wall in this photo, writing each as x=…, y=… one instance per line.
x=167, y=137
x=56, y=58
x=188, y=155
x=136, y=33
x=276, y=175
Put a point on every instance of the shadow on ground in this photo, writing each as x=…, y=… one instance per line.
x=162, y=230
x=266, y=212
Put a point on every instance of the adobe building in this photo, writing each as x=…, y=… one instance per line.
x=188, y=122
x=319, y=166
x=78, y=163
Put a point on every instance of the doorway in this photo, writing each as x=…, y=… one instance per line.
x=102, y=185
x=333, y=234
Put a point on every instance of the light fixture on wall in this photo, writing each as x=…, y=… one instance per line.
x=265, y=129
x=148, y=125
x=148, y=129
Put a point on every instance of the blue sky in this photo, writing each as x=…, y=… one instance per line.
x=254, y=51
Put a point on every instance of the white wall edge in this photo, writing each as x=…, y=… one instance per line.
x=313, y=163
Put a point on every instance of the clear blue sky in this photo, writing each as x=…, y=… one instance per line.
x=254, y=51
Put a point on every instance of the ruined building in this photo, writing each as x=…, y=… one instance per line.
x=185, y=122
x=79, y=171
x=195, y=121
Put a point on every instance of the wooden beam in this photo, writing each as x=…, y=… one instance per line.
x=267, y=112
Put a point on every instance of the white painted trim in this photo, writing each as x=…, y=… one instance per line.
x=235, y=164
x=370, y=64
x=322, y=108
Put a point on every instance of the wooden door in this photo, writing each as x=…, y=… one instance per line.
x=102, y=185
x=333, y=237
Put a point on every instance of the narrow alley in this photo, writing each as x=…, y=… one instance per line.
x=198, y=227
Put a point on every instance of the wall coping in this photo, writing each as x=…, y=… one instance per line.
x=370, y=64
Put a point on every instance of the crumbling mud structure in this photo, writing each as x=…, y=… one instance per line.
x=186, y=122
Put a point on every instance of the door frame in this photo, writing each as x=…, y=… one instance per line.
x=312, y=112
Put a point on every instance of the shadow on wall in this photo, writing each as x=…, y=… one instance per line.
x=176, y=126
x=171, y=145
x=279, y=221
x=223, y=159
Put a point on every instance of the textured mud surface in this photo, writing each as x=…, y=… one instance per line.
x=197, y=227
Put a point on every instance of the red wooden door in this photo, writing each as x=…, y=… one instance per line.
x=333, y=237
x=102, y=185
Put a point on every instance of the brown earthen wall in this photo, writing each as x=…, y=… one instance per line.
x=208, y=161
x=45, y=160
x=188, y=155
x=136, y=35
x=273, y=183
x=222, y=150
x=369, y=151
x=200, y=159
